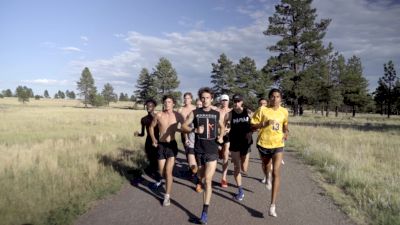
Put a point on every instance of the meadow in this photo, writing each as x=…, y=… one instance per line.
x=357, y=160
x=57, y=158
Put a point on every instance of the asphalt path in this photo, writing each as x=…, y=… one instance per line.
x=300, y=200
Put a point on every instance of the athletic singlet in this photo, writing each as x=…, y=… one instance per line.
x=206, y=142
x=240, y=125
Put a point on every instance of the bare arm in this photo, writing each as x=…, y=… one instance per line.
x=285, y=131
x=221, y=130
x=151, y=129
x=185, y=126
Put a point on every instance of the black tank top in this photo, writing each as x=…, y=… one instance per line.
x=206, y=142
x=240, y=125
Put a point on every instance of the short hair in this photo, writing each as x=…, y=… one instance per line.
x=207, y=90
x=273, y=90
x=150, y=100
x=188, y=93
x=165, y=97
x=260, y=99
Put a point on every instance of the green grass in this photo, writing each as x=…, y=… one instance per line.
x=358, y=159
x=55, y=161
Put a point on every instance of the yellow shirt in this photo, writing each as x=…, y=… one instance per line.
x=271, y=136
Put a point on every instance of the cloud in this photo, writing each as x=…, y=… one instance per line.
x=47, y=82
x=84, y=38
x=369, y=30
x=71, y=49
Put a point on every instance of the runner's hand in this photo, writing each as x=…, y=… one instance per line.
x=155, y=144
x=135, y=133
x=200, y=129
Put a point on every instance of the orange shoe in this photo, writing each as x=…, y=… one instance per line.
x=224, y=183
x=199, y=188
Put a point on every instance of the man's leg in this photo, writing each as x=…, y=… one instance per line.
x=237, y=175
x=225, y=163
x=244, y=162
x=192, y=163
x=169, y=166
x=209, y=173
x=276, y=180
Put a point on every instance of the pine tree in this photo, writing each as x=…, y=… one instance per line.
x=46, y=94
x=166, y=79
x=7, y=93
x=145, y=86
x=353, y=85
x=300, y=45
x=249, y=82
x=389, y=79
x=108, y=94
x=86, y=87
x=223, y=76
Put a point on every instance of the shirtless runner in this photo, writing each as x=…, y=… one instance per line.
x=167, y=149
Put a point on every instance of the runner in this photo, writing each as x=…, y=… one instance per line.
x=240, y=137
x=266, y=170
x=188, y=138
x=273, y=124
x=206, y=121
x=224, y=153
x=167, y=148
x=150, y=150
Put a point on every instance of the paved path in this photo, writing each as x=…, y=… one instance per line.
x=300, y=201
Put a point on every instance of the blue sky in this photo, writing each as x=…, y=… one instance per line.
x=46, y=44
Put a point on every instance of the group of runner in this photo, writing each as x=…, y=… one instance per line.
x=210, y=133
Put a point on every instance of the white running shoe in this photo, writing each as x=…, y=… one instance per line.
x=166, y=201
x=268, y=185
x=264, y=180
x=272, y=211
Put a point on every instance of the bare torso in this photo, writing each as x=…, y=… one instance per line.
x=186, y=110
x=168, y=125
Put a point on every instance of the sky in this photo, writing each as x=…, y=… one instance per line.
x=45, y=44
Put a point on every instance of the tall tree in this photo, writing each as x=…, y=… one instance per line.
x=108, y=94
x=389, y=79
x=61, y=94
x=145, y=85
x=46, y=94
x=166, y=79
x=23, y=93
x=380, y=97
x=223, y=76
x=250, y=82
x=300, y=45
x=354, y=86
x=86, y=87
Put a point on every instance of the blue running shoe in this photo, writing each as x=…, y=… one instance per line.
x=155, y=185
x=203, y=219
x=239, y=196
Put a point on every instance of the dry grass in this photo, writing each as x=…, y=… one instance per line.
x=54, y=160
x=360, y=156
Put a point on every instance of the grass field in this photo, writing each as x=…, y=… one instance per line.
x=54, y=160
x=358, y=159
x=57, y=157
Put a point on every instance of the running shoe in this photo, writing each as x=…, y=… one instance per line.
x=199, y=188
x=268, y=185
x=224, y=183
x=167, y=201
x=264, y=180
x=155, y=185
x=204, y=218
x=272, y=211
x=239, y=196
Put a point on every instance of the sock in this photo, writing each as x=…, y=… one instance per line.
x=205, y=208
x=166, y=196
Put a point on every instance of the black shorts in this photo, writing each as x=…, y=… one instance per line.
x=167, y=149
x=241, y=145
x=268, y=152
x=203, y=158
x=189, y=150
x=225, y=138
